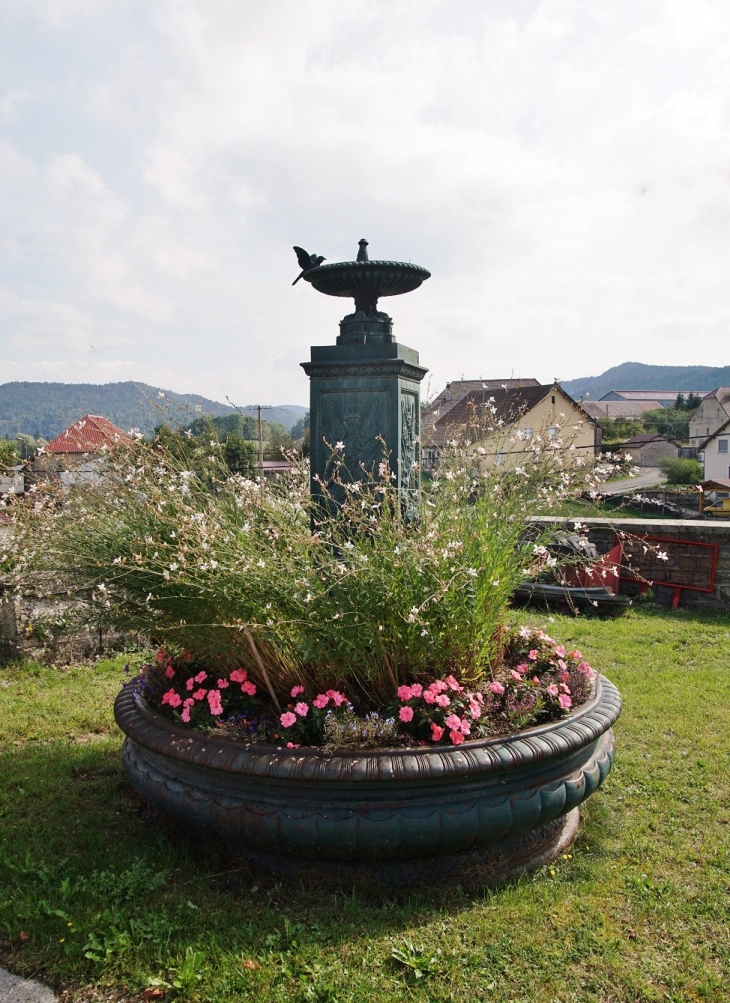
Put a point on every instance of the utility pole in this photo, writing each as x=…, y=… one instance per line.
x=260, y=408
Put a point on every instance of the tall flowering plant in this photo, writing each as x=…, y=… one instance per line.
x=169, y=544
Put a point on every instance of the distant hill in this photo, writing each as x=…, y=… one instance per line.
x=638, y=376
x=49, y=408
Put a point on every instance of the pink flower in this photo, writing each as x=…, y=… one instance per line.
x=337, y=698
x=429, y=697
x=577, y=655
x=442, y=700
x=533, y=655
x=293, y=745
x=185, y=716
x=301, y=708
x=174, y=699
x=296, y=690
x=436, y=733
x=406, y=714
x=214, y=702
x=453, y=685
x=169, y=672
x=320, y=701
x=523, y=667
x=200, y=694
x=565, y=701
x=288, y=719
x=465, y=727
x=585, y=670
x=223, y=684
x=238, y=676
x=438, y=686
x=552, y=690
x=535, y=681
x=560, y=651
x=248, y=687
x=190, y=683
x=456, y=737
x=515, y=675
x=160, y=655
x=405, y=693
x=564, y=688
x=496, y=687
x=188, y=702
x=562, y=666
x=416, y=690
x=453, y=722
x=475, y=710
x=201, y=676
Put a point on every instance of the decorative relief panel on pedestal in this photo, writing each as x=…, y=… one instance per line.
x=357, y=418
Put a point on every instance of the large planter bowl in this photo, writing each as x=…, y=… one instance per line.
x=377, y=278
x=508, y=802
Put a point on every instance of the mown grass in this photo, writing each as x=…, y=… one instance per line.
x=99, y=895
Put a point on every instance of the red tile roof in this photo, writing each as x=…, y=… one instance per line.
x=89, y=434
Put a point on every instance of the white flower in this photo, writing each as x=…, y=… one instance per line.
x=472, y=572
x=308, y=597
x=117, y=560
x=149, y=597
x=495, y=583
x=349, y=545
x=160, y=393
x=424, y=632
x=339, y=445
x=364, y=557
x=214, y=564
x=662, y=555
x=173, y=566
x=260, y=563
x=396, y=550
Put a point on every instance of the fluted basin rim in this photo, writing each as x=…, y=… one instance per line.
x=346, y=278
x=152, y=730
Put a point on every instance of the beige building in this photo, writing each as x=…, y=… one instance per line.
x=712, y=412
x=649, y=449
x=520, y=413
x=714, y=452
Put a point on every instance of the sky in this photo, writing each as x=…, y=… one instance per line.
x=562, y=168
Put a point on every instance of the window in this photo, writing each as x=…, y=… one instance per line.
x=552, y=431
x=553, y=398
x=499, y=459
x=528, y=433
x=722, y=445
x=708, y=431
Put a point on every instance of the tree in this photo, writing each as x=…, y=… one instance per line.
x=8, y=454
x=679, y=471
x=299, y=427
x=241, y=455
x=26, y=445
x=668, y=421
x=619, y=429
x=277, y=439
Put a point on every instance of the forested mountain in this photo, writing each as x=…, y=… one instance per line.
x=47, y=409
x=638, y=376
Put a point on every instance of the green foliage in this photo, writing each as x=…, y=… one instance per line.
x=242, y=425
x=277, y=441
x=619, y=429
x=689, y=403
x=169, y=545
x=241, y=455
x=26, y=446
x=668, y=421
x=299, y=428
x=682, y=471
x=9, y=454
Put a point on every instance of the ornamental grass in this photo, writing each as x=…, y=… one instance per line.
x=341, y=593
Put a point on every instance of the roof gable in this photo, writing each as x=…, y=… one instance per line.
x=90, y=434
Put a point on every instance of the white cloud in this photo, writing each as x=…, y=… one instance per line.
x=562, y=169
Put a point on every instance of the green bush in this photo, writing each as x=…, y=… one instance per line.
x=682, y=471
x=169, y=545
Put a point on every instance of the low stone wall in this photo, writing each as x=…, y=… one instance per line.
x=602, y=532
x=37, y=630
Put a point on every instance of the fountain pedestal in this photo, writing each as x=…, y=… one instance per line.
x=365, y=390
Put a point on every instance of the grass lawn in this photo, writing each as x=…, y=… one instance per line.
x=99, y=896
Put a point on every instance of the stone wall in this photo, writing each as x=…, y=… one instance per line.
x=602, y=532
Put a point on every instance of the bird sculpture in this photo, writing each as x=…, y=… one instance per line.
x=362, y=254
x=306, y=262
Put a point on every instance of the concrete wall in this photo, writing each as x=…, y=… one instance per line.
x=603, y=532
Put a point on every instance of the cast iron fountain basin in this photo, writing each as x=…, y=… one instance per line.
x=503, y=804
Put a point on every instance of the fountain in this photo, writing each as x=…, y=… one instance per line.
x=366, y=387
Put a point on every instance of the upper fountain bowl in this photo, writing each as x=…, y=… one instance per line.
x=366, y=278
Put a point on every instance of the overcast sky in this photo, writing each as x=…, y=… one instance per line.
x=562, y=168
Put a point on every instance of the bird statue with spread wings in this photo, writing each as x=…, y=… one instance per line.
x=306, y=261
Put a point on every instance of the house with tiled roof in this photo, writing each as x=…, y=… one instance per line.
x=712, y=412
x=456, y=390
x=513, y=415
x=714, y=453
x=648, y=449
x=74, y=455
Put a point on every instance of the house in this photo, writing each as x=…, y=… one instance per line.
x=74, y=454
x=657, y=398
x=649, y=449
x=458, y=389
x=714, y=452
x=715, y=498
x=530, y=409
x=712, y=412
x=12, y=480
